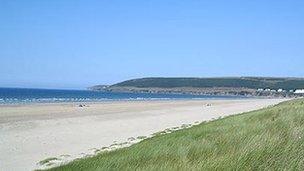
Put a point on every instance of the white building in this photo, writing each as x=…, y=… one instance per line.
x=299, y=91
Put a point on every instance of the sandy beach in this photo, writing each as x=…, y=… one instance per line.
x=31, y=133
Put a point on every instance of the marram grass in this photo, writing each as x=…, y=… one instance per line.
x=267, y=139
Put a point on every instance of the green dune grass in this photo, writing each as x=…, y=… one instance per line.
x=267, y=139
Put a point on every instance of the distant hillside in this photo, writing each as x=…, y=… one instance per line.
x=247, y=86
x=234, y=82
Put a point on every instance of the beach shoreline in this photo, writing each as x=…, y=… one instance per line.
x=33, y=132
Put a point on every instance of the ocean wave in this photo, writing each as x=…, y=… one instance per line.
x=15, y=96
x=57, y=100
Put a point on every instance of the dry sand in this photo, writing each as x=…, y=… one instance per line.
x=31, y=133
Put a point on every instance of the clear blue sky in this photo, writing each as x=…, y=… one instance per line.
x=75, y=44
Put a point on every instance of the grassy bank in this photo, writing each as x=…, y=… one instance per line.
x=268, y=139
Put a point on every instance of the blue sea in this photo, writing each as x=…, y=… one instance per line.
x=22, y=95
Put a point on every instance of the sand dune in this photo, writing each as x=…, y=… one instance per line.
x=31, y=133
